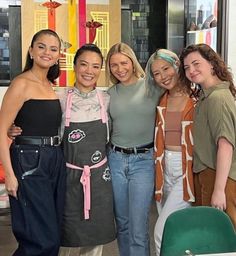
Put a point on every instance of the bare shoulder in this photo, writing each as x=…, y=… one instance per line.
x=15, y=96
x=20, y=84
x=24, y=86
x=17, y=87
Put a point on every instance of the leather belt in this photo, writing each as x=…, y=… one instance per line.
x=134, y=150
x=38, y=140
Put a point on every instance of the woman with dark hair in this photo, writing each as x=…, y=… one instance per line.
x=34, y=166
x=88, y=220
x=214, y=129
x=54, y=71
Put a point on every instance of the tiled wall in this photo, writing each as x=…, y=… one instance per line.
x=140, y=15
x=141, y=31
x=4, y=47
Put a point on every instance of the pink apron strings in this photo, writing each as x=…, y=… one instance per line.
x=104, y=115
x=103, y=110
x=85, y=181
x=68, y=107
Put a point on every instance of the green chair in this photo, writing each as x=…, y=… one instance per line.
x=198, y=230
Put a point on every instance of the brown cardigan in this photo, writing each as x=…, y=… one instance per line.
x=187, y=149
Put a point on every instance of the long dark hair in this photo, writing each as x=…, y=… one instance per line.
x=54, y=71
x=88, y=47
x=220, y=68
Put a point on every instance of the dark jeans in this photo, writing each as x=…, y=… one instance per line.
x=37, y=213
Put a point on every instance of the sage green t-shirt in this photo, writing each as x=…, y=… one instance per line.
x=133, y=114
x=215, y=117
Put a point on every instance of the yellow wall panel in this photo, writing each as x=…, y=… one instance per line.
x=34, y=18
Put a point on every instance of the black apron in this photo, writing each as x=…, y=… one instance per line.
x=85, y=145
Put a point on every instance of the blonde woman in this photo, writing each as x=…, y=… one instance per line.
x=132, y=110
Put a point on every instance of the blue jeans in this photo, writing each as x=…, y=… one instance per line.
x=133, y=187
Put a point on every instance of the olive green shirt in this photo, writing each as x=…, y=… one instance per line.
x=215, y=117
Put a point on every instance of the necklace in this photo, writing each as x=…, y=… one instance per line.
x=38, y=79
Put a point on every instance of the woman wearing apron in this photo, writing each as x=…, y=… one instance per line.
x=88, y=220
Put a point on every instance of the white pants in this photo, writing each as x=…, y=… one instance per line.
x=172, y=198
x=81, y=251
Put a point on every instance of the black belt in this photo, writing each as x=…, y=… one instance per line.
x=37, y=140
x=134, y=150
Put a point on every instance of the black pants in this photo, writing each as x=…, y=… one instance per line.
x=37, y=213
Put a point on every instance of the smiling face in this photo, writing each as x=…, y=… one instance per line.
x=198, y=70
x=122, y=69
x=87, y=70
x=164, y=74
x=45, y=51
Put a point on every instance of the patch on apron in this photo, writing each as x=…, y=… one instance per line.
x=96, y=157
x=76, y=136
x=106, y=174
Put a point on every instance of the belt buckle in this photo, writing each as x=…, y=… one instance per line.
x=128, y=151
x=44, y=141
x=55, y=141
x=143, y=150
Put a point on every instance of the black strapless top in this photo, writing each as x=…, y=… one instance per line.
x=39, y=117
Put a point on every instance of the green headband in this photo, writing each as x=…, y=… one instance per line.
x=167, y=58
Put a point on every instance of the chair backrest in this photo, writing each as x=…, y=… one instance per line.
x=200, y=230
